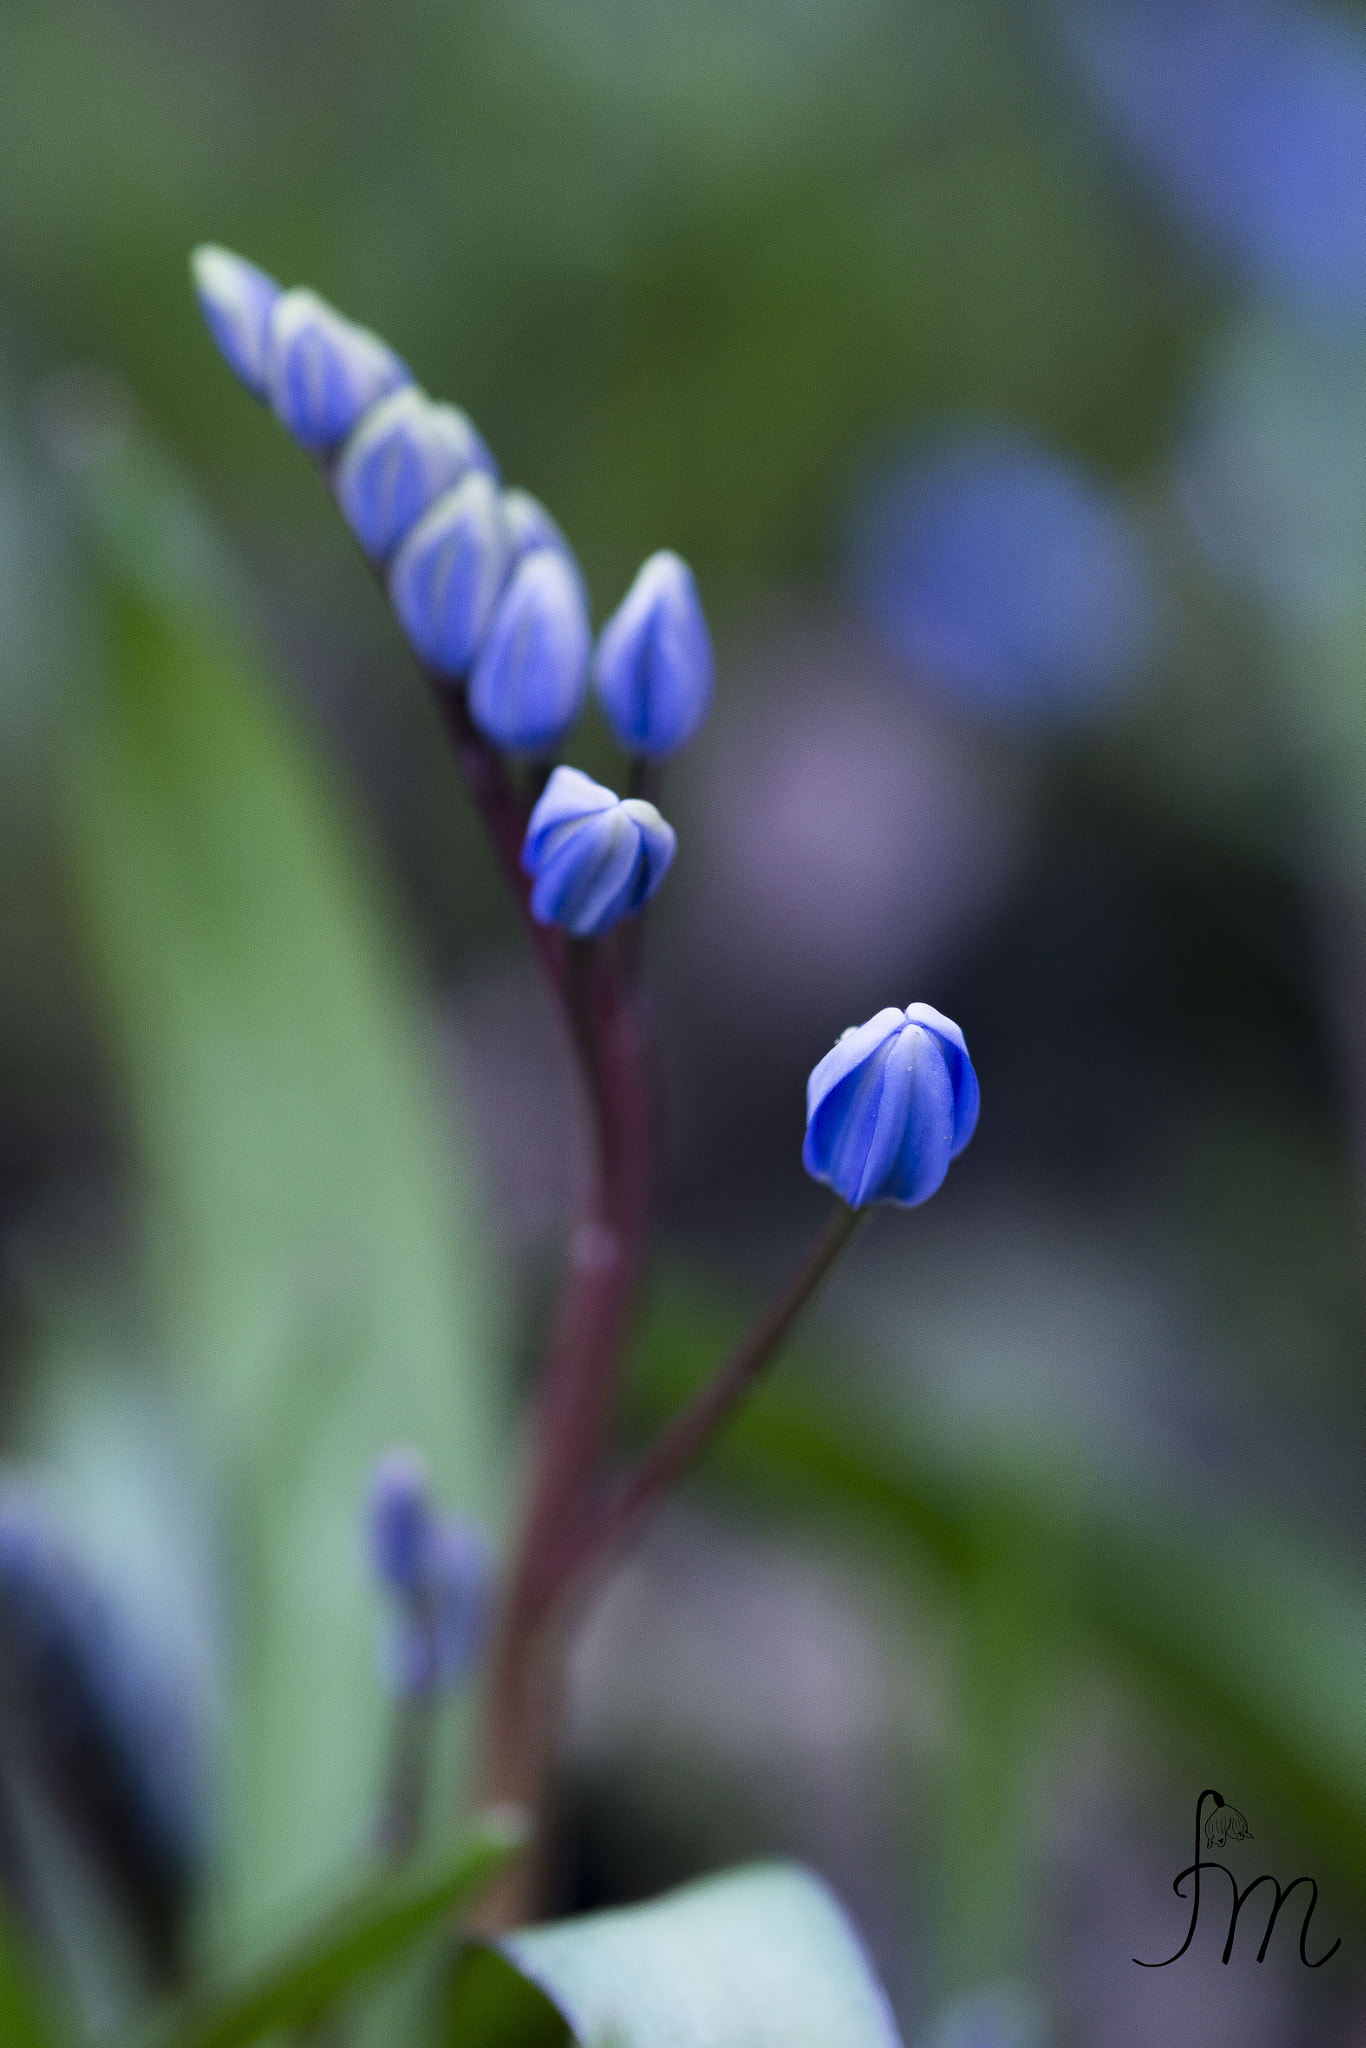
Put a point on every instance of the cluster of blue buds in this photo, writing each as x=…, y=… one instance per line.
x=480, y=577
x=889, y=1106
x=440, y=1571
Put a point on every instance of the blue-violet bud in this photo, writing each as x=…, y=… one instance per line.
x=654, y=667
x=237, y=301
x=446, y=577
x=530, y=526
x=404, y=454
x=323, y=372
x=889, y=1106
x=399, y=1521
x=529, y=680
x=593, y=856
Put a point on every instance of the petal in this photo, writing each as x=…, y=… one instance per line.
x=529, y=680
x=927, y=1131
x=587, y=876
x=530, y=526
x=569, y=795
x=324, y=372
x=967, y=1094
x=849, y=1051
x=446, y=576
x=658, y=845
x=236, y=300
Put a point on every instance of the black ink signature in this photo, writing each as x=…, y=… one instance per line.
x=1225, y=1820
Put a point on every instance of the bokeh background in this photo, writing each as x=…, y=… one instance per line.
x=1001, y=368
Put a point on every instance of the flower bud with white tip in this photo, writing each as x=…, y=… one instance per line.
x=530, y=526
x=403, y=456
x=889, y=1106
x=654, y=667
x=323, y=372
x=237, y=301
x=529, y=679
x=594, y=857
x=445, y=579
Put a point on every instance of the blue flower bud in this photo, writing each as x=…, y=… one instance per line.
x=446, y=577
x=593, y=857
x=399, y=1518
x=529, y=680
x=530, y=526
x=237, y=301
x=404, y=454
x=323, y=372
x=654, y=667
x=889, y=1106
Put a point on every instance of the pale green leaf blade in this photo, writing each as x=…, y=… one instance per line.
x=24, y=2019
x=760, y=1958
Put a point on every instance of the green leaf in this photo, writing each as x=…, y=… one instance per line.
x=369, y=1930
x=759, y=1958
x=1232, y=1628
x=23, y=2016
x=321, y=1284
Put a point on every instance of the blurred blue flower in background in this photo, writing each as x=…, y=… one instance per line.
x=1250, y=117
x=1009, y=577
x=594, y=857
x=440, y=1571
x=890, y=1105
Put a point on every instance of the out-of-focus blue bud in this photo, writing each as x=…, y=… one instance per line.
x=404, y=454
x=323, y=372
x=654, y=667
x=237, y=301
x=889, y=1106
x=441, y=1573
x=1249, y=116
x=1008, y=577
x=446, y=577
x=530, y=526
x=531, y=673
x=594, y=857
x=399, y=1518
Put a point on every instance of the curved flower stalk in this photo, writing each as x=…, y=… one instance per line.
x=492, y=601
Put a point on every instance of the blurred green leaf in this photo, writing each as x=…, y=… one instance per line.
x=23, y=2017
x=759, y=1958
x=1235, y=1628
x=321, y=1284
x=369, y=1930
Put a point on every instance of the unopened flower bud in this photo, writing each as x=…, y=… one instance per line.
x=889, y=1106
x=237, y=301
x=404, y=454
x=323, y=372
x=530, y=526
x=654, y=667
x=529, y=680
x=439, y=1569
x=399, y=1519
x=446, y=577
x=593, y=857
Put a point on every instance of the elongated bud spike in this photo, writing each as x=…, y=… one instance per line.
x=323, y=372
x=236, y=300
x=654, y=668
x=593, y=857
x=446, y=577
x=529, y=680
x=403, y=456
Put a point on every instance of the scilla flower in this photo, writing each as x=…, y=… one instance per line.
x=323, y=372
x=529, y=680
x=593, y=857
x=889, y=1106
x=237, y=301
x=654, y=667
x=446, y=577
x=403, y=456
x=440, y=1571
